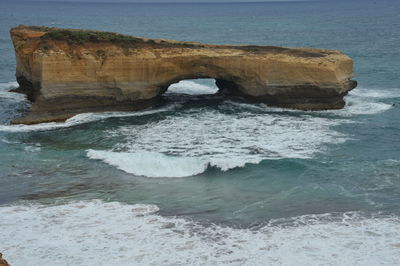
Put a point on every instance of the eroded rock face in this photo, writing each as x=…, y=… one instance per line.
x=66, y=72
x=3, y=262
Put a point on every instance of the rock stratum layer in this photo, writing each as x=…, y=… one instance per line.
x=65, y=72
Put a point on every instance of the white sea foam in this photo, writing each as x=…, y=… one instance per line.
x=366, y=102
x=363, y=101
x=233, y=139
x=214, y=138
x=221, y=138
x=191, y=87
x=358, y=102
x=8, y=85
x=359, y=106
x=35, y=148
x=151, y=164
x=6, y=94
x=80, y=119
x=376, y=93
x=99, y=233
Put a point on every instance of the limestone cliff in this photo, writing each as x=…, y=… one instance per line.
x=3, y=262
x=66, y=72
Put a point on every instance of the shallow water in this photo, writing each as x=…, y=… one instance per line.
x=207, y=179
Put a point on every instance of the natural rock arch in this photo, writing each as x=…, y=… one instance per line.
x=67, y=72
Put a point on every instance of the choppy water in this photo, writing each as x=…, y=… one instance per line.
x=204, y=180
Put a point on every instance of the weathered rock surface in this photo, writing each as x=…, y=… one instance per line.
x=66, y=72
x=3, y=262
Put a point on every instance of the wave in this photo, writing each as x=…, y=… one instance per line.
x=92, y=232
x=364, y=101
x=6, y=94
x=358, y=106
x=159, y=165
x=81, y=119
x=232, y=136
x=358, y=102
x=376, y=93
x=367, y=102
x=224, y=140
x=151, y=164
x=9, y=85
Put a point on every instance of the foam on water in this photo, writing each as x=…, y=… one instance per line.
x=151, y=164
x=234, y=135
x=358, y=102
x=191, y=87
x=80, y=119
x=366, y=102
x=6, y=94
x=8, y=85
x=35, y=148
x=376, y=93
x=189, y=141
x=217, y=138
x=97, y=233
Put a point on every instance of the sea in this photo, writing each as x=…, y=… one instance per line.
x=204, y=180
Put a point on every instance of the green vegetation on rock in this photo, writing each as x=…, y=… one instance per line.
x=80, y=36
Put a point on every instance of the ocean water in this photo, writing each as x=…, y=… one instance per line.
x=199, y=179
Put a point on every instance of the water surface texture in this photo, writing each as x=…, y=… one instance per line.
x=200, y=179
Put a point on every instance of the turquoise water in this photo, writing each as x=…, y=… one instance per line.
x=209, y=180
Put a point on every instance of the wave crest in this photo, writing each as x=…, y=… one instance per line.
x=88, y=232
x=151, y=164
x=80, y=119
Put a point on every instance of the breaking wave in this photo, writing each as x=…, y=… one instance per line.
x=216, y=138
x=95, y=232
x=359, y=102
x=11, y=96
x=8, y=85
x=367, y=102
x=235, y=134
x=231, y=135
x=80, y=119
x=151, y=164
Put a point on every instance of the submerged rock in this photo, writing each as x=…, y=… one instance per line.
x=65, y=72
x=3, y=262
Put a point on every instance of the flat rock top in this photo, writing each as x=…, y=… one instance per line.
x=76, y=37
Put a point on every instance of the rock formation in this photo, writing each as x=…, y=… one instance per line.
x=65, y=72
x=3, y=262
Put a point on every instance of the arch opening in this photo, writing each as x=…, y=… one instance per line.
x=203, y=86
x=199, y=90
